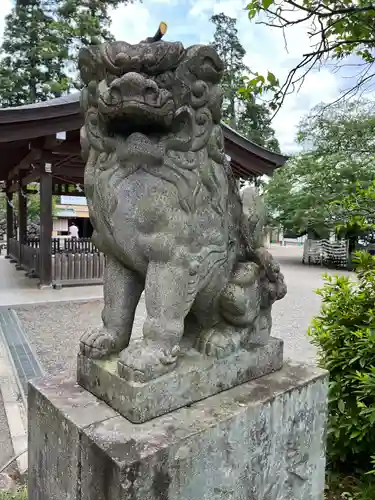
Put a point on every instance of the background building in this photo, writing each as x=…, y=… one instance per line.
x=72, y=209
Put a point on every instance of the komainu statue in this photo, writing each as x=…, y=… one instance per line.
x=167, y=212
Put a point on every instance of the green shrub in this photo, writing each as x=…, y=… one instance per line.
x=344, y=333
x=21, y=494
x=340, y=487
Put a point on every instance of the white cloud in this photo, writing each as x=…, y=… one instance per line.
x=5, y=7
x=201, y=7
x=132, y=23
x=318, y=87
x=169, y=2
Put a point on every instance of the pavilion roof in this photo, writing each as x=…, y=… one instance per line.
x=24, y=128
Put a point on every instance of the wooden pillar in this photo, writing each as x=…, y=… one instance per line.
x=46, y=227
x=10, y=222
x=22, y=220
x=22, y=215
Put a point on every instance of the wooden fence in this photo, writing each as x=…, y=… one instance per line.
x=26, y=257
x=14, y=249
x=74, y=245
x=326, y=253
x=74, y=262
x=77, y=269
x=30, y=260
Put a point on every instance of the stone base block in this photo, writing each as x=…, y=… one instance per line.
x=263, y=440
x=196, y=377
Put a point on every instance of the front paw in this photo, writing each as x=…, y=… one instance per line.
x=100, y=343
x=144, y=361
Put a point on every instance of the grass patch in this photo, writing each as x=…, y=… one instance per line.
x=20, y=494
x=349, y=488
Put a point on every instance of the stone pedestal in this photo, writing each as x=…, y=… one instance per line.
x=263, y=440
x=195, y=377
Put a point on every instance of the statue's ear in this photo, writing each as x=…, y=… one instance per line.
x=204, y=63
x=89, y=64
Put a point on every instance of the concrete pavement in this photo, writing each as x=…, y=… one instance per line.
x=16, y=288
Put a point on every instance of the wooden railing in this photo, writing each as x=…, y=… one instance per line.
x=25, y=256
x=14, y=249
x=30, y=260
x=73, y=245
x=77, y=269
x=74, y=262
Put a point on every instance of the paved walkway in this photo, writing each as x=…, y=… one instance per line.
x=16, y=288
x=292, y=315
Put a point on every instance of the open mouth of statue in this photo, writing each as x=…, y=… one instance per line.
x=135, y=116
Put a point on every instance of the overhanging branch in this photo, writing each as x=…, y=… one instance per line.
x=329, y=41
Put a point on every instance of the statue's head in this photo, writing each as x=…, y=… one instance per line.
x=150, y=86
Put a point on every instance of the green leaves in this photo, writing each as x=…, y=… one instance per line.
x=272, y=80
x=344, y=335
x=258, y=84
x=253, y=8
x=19, y=494
x=256, y=6
x=357, y=208
x=310, y=193
x=337, y=30
x=267, y=3
x=40, y=46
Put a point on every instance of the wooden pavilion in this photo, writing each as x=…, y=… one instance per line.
x=40, y=143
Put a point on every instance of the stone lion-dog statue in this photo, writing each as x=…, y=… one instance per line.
x=166, y=209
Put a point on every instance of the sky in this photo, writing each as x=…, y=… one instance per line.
x=188, y=21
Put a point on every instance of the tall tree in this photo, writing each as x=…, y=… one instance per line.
x=337, y=30
x=255, y=123
x=243, y=113
x=34, y=53
x=338, y=156
x=357, y=210
x=41, y=40
x=88, y=21
x=229, y=48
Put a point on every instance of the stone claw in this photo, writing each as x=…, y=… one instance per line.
x=144, y=361
x=99, y=344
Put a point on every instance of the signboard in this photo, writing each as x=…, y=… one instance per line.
x=73, y=200
x=66, y=212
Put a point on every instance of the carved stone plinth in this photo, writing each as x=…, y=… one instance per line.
x=195, y=377
x=262, y=440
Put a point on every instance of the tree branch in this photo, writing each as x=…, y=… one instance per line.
x=334, y=41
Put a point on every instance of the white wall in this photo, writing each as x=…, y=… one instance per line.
x=60, y=225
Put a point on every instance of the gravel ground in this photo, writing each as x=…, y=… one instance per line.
x=54, y=329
